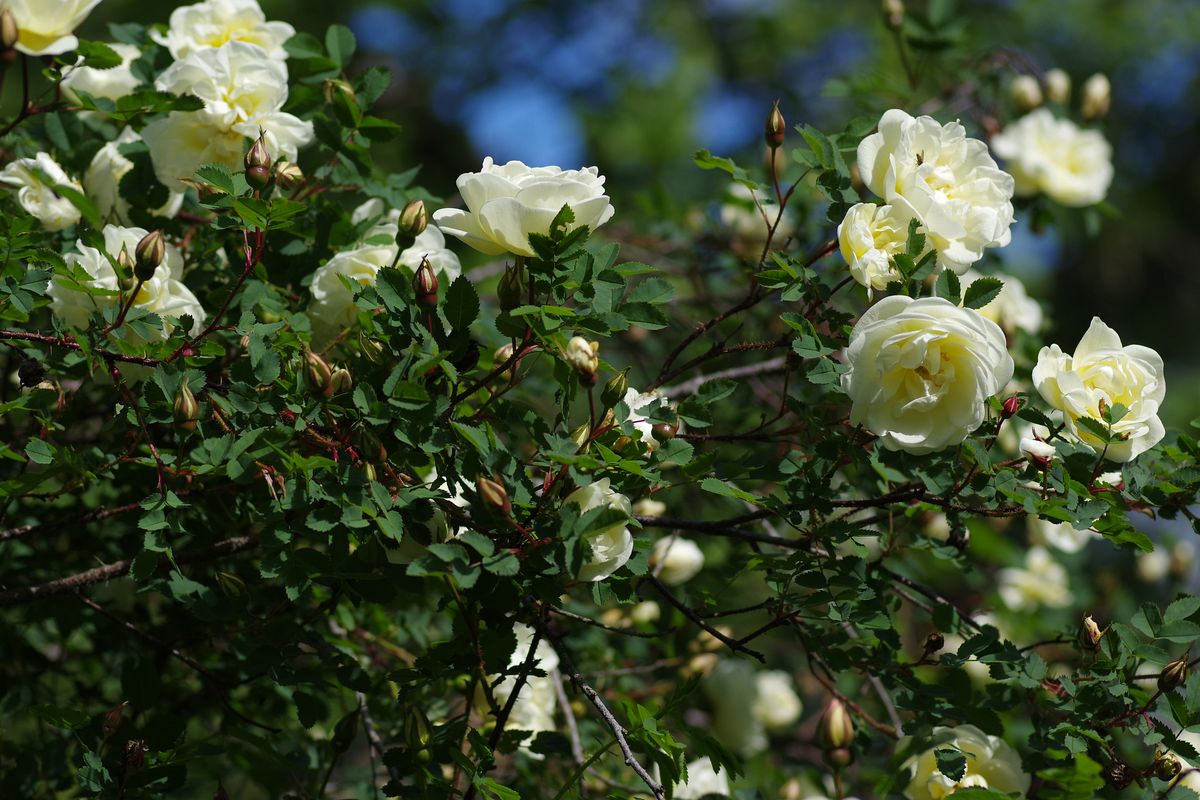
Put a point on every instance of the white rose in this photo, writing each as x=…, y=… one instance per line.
x=102, y=181
x=1042, y=582
x=649, y=507
x=212, y=23
x=777, y=705
x=333, y=305
x=869, y=237
x=46, y=26
x=732, y=691
x=582, y=355
x=164, y=294
x=183, y=141
x=991, y=764
x=636, y=401
x=1069, y=164
x=921, y=372
x=113, y=83
x=430, y=244
x=945, y=179
x=535, y=706
x=243, y=91
x=677, y=560
x=1060, y=535
x=505, y=203
x=1153, y=566
x=39, y=198
x=1102, y=371
x=1013, y=309
x=702, y=779
x=612, y=545
x=740, y=214
x=1038, y=450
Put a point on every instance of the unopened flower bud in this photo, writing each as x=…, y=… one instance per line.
x=1058, y=86
x=893, y=13
x=1097, y=97
x=665, y=431
x=126, y=260
x=1090, y=634
x=340, y=381
x=934, y=642
x=417, y=733
x=372, y=349
x=836, y=728
x=112, y=718
x=583, y=356
x=960, y=538
x=776, y=129
x=622, y=444
x=425, y=284
x=9, y=32
x=503, y=355
x=186, y=410
x=1118, y=775
x=1026, y=92
x=233, y=587
x=148, y=254
x=317, y=371
x=839, y=757
x=493, y=494
x=510, y=290
x=258, y=164
x=615, y=389
x=1039, y=452
x=581, y=434
x=1166, y=767
x=1012, y=405
x=412, y=223
x=135, y=755
x=288, y=175
x=1173, y=674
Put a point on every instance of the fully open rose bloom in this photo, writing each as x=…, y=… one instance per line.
x=991, y=764
x=212, y=23
x=921, y=372
x=945, y=179
x=36, y=192
x=612, y=545
x=1069, y=164
x=164, y=294
x=505, y=203
x=1104, y=372
x=47, y=26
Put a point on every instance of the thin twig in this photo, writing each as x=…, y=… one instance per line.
x=688, y=612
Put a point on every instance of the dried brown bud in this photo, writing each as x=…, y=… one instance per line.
x=425, y=284
x=186, y=410
x=1090, y=634
x=317, y=371
x=1118, y=775
x=288, y=175
x=148, y=254
x=9, y=32
x=493, y=494
x=258, y=164
x=776, y=128
x=1174, y=674
x=135, y=754
x=836, y=728
x=934, y=642
x=340, y=381
x=1166, y=766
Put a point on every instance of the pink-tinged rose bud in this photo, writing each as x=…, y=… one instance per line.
x=1039, y=452
x=258, y=164
x=425, y=284
x=1011, y=406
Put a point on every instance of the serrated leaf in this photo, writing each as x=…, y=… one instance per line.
x=981, y=292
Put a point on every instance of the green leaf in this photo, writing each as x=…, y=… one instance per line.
x=340, y=42
x=915, y=243
x=951, y=763
x=981, y=292
x=39, y=452
x=949, y=287
x=462, y=305
x=98, y=55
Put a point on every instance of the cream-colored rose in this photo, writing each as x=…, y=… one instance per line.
x=183, y=141
x=243, y=91
x=212, y=23
x=991, y=764
x=113, y=83
x=1069, y=164
x=1013, y=309
x=777, y=706
x=649, y=507
x=1103, y=372
x=36, y=194
x=1061, y=536
x=333, y=305
x=745, y=219
x=164, y=294
x=505, y=203
x=429, y=245
x=612, y=545
x=102, y=182
x=947, y=180
x=535, y=706
x=582, y=355
x=702, y=779
x=677, y=560
x=637, y=401
x=921, y=371
x=47, y=26
x=869, y=237
x=1042, y=582
x=732, y=692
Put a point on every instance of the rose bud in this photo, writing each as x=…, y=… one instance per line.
x=1012, y=405
x=836, y=728
x=509, y=290
x=258, y=164
x=1166, y=767
x=503, y=354
x=893, y=13
x=493, y=494
x=425, y=284
x=1058, y=86
x=148, y=254
x=1039, y=452
x=1173, y=674
x=1090, y=634
x=288, y=175
x=1026, y=92
x=934, y=642
x=186, y=410
x=9, y=32
x=582, y=355
x=340, y=381
x=1097, y=97
x=412, y=223
x=776, y=128
x=126, y=260
x=665, y=431
x=317, y=371
x=615, y=389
